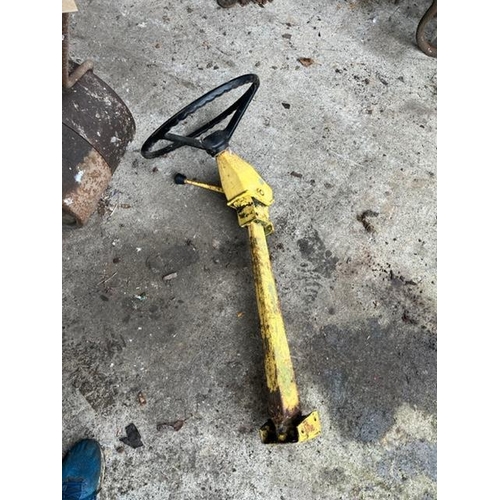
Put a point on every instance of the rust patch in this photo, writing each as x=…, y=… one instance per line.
x=83, y=185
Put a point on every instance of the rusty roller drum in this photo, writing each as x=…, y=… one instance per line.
x=97, y=127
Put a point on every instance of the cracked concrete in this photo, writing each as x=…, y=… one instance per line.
x=348, y=144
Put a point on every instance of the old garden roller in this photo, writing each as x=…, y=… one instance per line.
x=250, y=196
x=97, y=128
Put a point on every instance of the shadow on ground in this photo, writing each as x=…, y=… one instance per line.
x=367, y=372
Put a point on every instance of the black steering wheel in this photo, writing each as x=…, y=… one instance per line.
x=216, y=141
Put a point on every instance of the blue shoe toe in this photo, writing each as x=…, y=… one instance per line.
x=81, y=471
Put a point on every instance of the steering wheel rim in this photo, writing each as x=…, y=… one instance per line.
x=216, y=141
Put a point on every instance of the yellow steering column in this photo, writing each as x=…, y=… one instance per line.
x=251, y=197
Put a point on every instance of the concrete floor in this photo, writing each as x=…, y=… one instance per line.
x=349, y=146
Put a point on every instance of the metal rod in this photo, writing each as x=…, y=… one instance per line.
x=68, y=80
x=204, y=185
x=283, y=394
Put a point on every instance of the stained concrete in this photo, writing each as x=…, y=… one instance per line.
x=348, y=144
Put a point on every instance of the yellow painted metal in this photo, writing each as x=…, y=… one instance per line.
x=251, y=197
x=277, y=361
x=240, y=180
x=204, y=185
x=310, y=427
